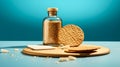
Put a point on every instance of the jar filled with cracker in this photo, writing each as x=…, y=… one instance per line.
x=51, y=26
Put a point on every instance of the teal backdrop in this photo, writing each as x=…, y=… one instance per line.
x=22, y=19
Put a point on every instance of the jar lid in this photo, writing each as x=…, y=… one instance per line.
x=52, y=9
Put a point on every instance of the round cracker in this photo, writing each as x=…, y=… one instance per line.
x=71, y=35
x=82, y=49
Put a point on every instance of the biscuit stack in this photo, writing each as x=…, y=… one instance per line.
x=73, y=36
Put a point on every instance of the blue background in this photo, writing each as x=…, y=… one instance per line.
x=22, y=19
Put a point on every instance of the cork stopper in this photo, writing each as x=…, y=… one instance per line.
x=52, y=9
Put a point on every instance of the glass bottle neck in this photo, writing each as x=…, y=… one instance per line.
x=52, y=13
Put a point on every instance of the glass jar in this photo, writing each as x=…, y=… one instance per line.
x=51, y=26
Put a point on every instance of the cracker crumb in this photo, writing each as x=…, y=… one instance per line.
x=48, y=57
x=4, y=51
x=63, y=59
x=16, y=49
x=35, y=56
x=72, y=58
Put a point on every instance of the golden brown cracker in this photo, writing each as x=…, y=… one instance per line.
x=70, y=35
x=82, y=49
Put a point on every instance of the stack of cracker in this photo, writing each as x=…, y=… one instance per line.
x=73, y=36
